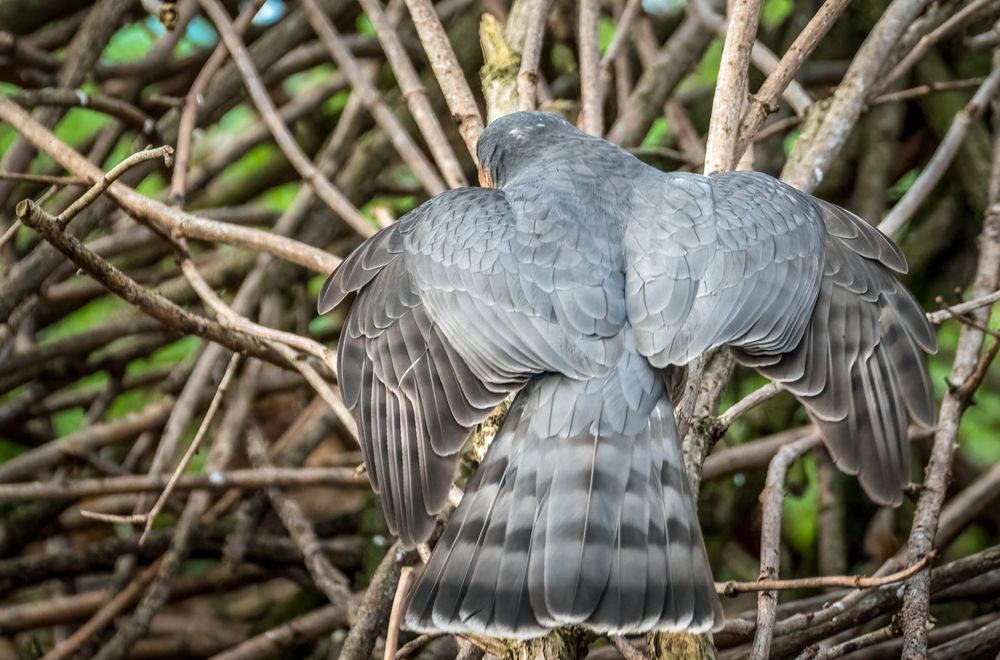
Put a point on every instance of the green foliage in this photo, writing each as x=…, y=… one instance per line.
x=707, y=71
x=800, y=508
x=279, y=198
x=68, y=421
x=129, y=43
x=789, y=142
x=605, y=33
x=89, y=316
x=658, y=133
x=775, y=13
x=905, y=182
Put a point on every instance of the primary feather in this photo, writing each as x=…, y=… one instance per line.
x=581, y=282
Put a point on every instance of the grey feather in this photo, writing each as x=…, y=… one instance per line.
x=588, y=279
x=556, y=526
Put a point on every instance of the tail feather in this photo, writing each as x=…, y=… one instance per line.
x=580, y=514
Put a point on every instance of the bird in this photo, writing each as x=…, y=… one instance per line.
x=578, y=278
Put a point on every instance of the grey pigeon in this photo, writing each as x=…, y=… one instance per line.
x=577, y=282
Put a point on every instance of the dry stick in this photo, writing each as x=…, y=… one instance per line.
x=810, y=159
x=911, y=93
x=194, y=98
x=415, y=644
x=761, y=56
x=448, y=72
x=99, y=435
x=964, y=379
x=765, y=101
x=163, y=216
x=287, y=636
x=625, y=20
x=733, y=587
x=150, y=302
x=150, y=517
x=276, y=341
x=415, y=94
x=371, y=616
x=369, y=95
x=957, y=21
x=770, y=540
x=46, y=178
x=219, y=456
x=109, y=105
x=396, y=614
x=325, y=190
x=145, y=483
x=331, y=581
x=230, y=319
x=105, y=615
x=628, y=651
x=527, y=76
x=591, y=93
x=87, y=198
x=750, y=401
x=942, y=158
x=730, y=90
x=861, y=642
x=943, y=315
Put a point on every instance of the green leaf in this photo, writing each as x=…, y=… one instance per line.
x=775, y=13
x=128, y=44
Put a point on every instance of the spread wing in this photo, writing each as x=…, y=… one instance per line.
x=459, y=303
x=804, y=292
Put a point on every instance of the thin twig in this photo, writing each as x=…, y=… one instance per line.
x=730, y=90
x=448, y=72
x=750, y=401
x=396, y=613
x=770, y=540
x=194, y=98
x=527, y=76
x=957, y=20
x=942, y=158
x=45, y=178
x=765, y=101
x=955, y=311
x=415, y=94
x=325, y=190
x=168, y=218
x=165, y=152
x=591, y=90
x=240, y=479
x=369, y=95
x=733, y=587
x=150, y=517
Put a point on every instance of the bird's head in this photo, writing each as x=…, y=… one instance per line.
x=519, y=141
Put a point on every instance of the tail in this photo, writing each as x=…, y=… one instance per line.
x=860, y=366
x=580, y=514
